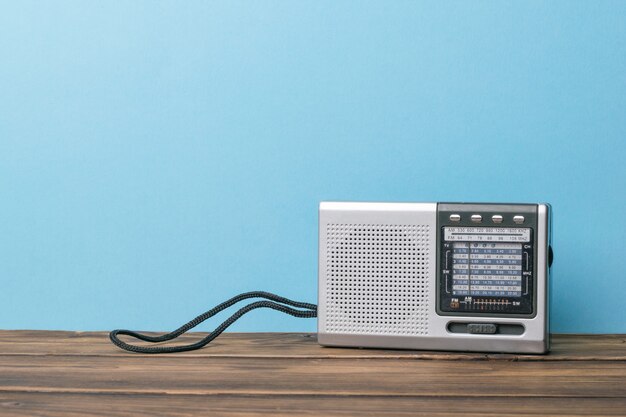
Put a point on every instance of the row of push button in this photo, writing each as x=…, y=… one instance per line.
x=477, y=218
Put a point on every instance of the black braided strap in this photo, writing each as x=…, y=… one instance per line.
x=276, y=303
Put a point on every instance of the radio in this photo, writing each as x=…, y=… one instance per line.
x=437, y=276
x=448, y=276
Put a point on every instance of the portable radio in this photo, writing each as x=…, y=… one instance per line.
x=437, y=276
x=448, y=276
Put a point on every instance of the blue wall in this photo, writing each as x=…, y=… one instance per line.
x=157, y=158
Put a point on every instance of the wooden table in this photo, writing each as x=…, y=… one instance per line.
x=81, y=373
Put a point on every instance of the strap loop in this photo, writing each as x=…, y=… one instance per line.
x=276, y=302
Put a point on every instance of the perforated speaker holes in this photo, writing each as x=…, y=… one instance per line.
x=377, y=279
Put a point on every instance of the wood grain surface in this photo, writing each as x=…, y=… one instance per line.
x=244, y=374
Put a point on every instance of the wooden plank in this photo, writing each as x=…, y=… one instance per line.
x=297, y=345
x=298, y=376
x=93, y=405
x=82, y=373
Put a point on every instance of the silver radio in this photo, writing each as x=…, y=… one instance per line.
x=448, y=276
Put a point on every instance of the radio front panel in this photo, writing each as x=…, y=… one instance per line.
x=450, y=276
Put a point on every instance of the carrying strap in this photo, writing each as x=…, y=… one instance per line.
x=304, y=310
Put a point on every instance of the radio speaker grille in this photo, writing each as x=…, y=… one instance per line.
x=377, y=279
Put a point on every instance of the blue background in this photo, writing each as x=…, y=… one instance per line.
x=159, y=157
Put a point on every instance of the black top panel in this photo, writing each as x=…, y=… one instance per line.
x=487, y=210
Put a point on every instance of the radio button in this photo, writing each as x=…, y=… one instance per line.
x=518, y=219
x=496, y=218
x=455, y=217
x=477, y=218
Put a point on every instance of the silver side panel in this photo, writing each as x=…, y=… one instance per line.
x=396, y=307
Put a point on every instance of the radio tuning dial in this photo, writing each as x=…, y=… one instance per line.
x=490, y=263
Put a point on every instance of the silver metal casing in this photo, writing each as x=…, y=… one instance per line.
x=378, y=283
